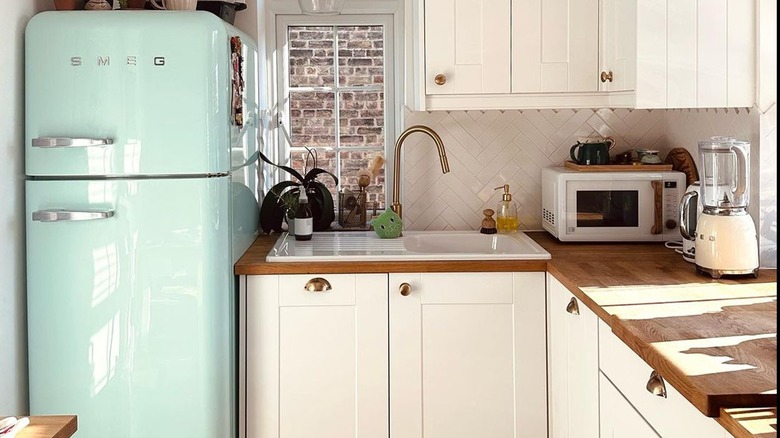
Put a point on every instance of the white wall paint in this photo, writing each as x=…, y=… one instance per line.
x=13, y=332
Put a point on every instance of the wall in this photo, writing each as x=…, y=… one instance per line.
x=487, y=149
x=13, y=333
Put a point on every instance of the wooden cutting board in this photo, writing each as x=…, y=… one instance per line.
x=637, y=167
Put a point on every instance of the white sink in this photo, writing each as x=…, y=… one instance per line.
x=414, y=245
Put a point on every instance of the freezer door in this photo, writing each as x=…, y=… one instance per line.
x=132, y=93
x=131, y=306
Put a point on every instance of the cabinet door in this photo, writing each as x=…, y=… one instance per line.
x=317, y=361
x=573, y=364
x=618, y=418
x=467, y=43
x=467, y=355
x=555, y=45
x=618, y=45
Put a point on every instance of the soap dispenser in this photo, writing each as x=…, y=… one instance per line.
x=506, y=213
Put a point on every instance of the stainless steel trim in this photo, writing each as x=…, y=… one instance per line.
x=726, y=211
x=686, y=227
x=58, y=215
x=67, y=142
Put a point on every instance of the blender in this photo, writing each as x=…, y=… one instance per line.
x=725, y=236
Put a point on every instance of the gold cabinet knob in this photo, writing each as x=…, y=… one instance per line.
x=317, y=284
x=656, y=385
x=606, y=76
x=440, y=79
x=573, y=307
x=405, y=289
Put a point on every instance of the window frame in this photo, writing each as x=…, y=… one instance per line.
x=283, y=22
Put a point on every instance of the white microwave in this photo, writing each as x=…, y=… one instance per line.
x=638, y=206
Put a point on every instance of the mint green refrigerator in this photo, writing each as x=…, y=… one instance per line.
x=140, y=141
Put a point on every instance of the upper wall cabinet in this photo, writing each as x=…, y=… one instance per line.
x=679, y=53
x=468, y=54
x=467, y=46
x=554, y=45
x=501, y=54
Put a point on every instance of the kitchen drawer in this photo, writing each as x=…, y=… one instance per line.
x=294, y=293
x=671, y=417
x=617, y=418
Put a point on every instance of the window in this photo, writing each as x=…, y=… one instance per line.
x=335, y=96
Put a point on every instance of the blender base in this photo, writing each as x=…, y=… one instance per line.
x=717, y=273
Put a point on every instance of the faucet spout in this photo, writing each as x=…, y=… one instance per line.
x=445, y=166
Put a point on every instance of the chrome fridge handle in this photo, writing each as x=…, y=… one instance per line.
x=67, y=142
x=70, y=215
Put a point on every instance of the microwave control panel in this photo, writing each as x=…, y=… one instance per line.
x=671, y=204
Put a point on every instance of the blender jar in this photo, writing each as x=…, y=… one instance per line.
x=724, y=173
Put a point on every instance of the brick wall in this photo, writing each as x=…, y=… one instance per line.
x=361, y=113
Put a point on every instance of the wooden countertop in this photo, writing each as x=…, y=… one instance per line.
x=680, y=322
x=49, y=426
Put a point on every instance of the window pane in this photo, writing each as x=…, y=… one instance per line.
x=325, y=159
x=361, y=56
x=351, y=163
x=361, y=118
x=312, y=120
x=312, y=59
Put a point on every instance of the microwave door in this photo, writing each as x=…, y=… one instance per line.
x=613, y=210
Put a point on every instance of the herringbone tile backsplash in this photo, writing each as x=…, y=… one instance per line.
x=487, y=149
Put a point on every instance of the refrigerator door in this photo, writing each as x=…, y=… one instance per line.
x=131, y=309
x=131, y=93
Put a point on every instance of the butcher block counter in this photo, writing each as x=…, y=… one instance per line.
x=655, y=302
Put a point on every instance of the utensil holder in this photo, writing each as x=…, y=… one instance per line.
x=352, y=209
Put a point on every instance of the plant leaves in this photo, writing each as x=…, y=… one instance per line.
x=324, y=202
x=312, y=175
x=289, y=170
x=273, y=209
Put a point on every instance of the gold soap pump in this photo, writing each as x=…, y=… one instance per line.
x=506, y=213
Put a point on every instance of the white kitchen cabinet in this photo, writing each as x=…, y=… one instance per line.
x=618, y=418
x=467, y=355
x=502, y=54
x=555, y=45
x=316, y=361
x=572, y=363
x=467, y=46
x=671, y=415
x=679, y=54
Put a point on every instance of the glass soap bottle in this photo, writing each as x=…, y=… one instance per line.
x=303, y=220
x=506, y=213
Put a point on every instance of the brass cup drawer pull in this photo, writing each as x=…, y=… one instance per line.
x=440, y=79
x=573, y=307
x=317, y=284
x=656, y=385
x=606, y=76
x=405, y=289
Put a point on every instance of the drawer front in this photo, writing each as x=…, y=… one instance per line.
x=617, y=418
x=295, y=290
x=671, y=417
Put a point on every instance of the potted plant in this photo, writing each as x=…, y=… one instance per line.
x=282, y=198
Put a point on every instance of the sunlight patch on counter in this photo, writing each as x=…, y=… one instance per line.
x=682, y=354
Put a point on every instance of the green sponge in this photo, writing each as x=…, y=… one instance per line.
x=388, y=225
